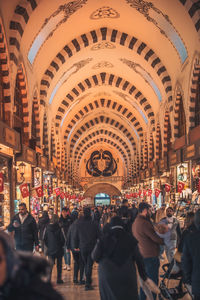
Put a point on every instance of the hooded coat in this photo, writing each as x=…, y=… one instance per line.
x=54, y=240
x=117, y=252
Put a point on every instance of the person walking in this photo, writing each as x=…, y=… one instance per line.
x=86, y=234
x=25, y=230
x=117, y=252
x=54, y=241
x=174, y=233
x=191, y=258
x=65, y=222
x=78, y=261
x=149, y=243
x=42, y=224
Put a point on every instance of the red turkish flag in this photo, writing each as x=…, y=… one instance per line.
x=1, y=182
x=66, y=195
x=24, y=190
x=62, y=195
x=144, y=192
x=139, y=193
x=39, y=191
x=167, y=187
x=157, y=193
x=149, y=192
x=181, y=186
x=57, y=191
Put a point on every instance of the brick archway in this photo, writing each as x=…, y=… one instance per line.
x=106, y=188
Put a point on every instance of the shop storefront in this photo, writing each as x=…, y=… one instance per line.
x=9, y=145
x=25, y=163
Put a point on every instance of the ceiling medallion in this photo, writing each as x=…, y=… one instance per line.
x=103, y=45
x=101, y=163
x=103, y=64
x=104, y=12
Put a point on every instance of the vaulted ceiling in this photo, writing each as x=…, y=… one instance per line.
x=103, y=67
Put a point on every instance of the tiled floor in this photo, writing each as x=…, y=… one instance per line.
x=77, y=292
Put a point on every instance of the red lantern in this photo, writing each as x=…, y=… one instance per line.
x=181, y=186
x=39, y=191
x=157, y=193
x=1, y=182
x=24, y=190
x=167, y=187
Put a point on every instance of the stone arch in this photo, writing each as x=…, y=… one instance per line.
x=193, y=93
x=19, y=20
x=158, y=143
x=103, y=103
x=105, y=79
x=45, y=136
x=113, y=36
x=151, y=147
x=21, y=93
x=106, y=188
x=167, y=133
x=5, y=78
x=36, y=116
x=193, y=9
x=177, y=113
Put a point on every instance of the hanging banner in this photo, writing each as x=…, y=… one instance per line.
x=1, y=182
x=57, y=191
x=167, y=187
x=140, y=192
x=144, y=192
x=149, y=192
x=24, y=190
x=39, y=191
x=181, y=186
x=157, y=192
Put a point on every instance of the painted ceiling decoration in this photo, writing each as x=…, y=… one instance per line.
x=162, y=22
x=146, y=75
x=104, y=12
x=101, y=163
x=60, y=16
x=102, y=71
x=67, y=74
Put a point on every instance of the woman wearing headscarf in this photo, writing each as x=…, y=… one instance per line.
x=22, y=275
x=117, y=252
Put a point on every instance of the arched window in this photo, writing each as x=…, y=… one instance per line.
x=197, y=105
x=18, y=112
x=181, y=120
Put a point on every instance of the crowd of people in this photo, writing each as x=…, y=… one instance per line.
x=120, y=239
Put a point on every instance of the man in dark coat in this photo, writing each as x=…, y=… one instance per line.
x=191, y=258
x=65, y=222
x=25, y=230
x=86, y=234
x=116, y=254
x=149, y=243
x=42, y=224
x=54, y=241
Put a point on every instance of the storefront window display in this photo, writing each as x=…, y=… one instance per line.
x=4, y=191
x=24, y=175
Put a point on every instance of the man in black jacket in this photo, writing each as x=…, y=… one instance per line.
x=86, y=234
x=65, y=222
x=191, y=258
x=25, y=230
